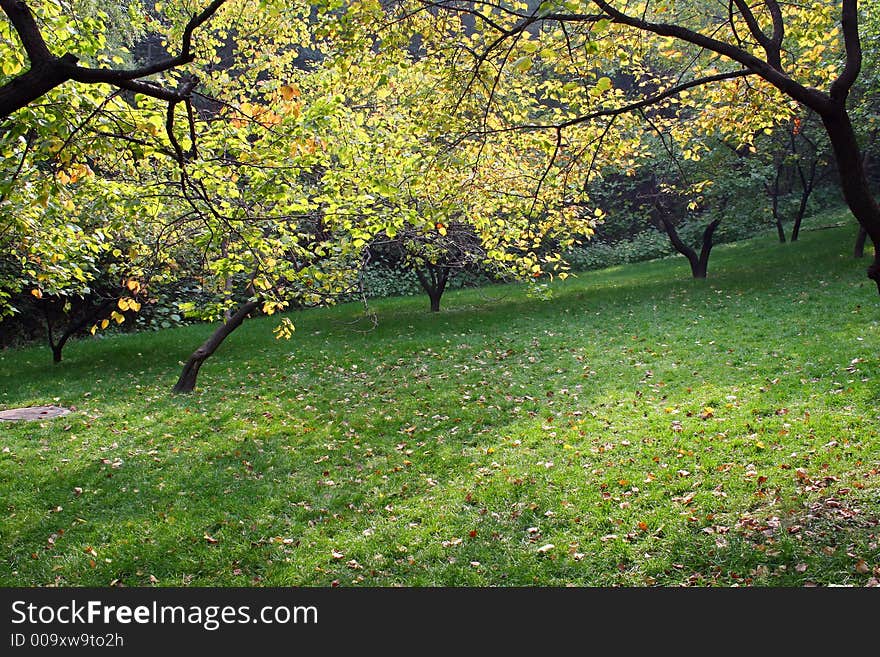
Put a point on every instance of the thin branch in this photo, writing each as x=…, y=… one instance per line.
x=186, y=56
x=812, y=98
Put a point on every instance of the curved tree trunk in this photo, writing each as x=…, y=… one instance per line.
x=699, y=263
x=706, y=248
x=187, y=381
x=853, y=181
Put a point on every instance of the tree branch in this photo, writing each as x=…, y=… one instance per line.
x=28, y=31
x=115, y=77
x=850, y=24
x=47, y=71
x=624, y=109
x=812, y=98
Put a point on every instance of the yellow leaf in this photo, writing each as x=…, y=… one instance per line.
x=123, y=304
x=37, y=293
x=289, y=93
x=105, y=323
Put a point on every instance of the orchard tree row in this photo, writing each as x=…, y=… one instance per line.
x=259, y=154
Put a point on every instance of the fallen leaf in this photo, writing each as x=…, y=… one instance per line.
x=210, y=539
x=545, y=548
x=686, y=499
x=862, y=567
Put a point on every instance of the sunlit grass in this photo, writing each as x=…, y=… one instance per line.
x=650, y=428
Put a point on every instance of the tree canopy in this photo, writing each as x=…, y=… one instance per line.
x=266, y=161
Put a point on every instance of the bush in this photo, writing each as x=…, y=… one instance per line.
x=648, y=244
x=162, y=310
x=381, y=281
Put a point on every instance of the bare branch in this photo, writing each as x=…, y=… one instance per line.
x=653, y=100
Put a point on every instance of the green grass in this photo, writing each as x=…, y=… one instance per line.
x=652, y=428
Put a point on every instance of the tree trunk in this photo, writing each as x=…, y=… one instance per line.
x=859, y=249
x=853, y=181
x=187, y=381
x=807, y=184
x=434, y=284
x=27, y=88
x=91, y=314
x=706, y=249
x=773, y=190
x=699, y=263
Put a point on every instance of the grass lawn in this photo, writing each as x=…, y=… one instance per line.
x=640, y=428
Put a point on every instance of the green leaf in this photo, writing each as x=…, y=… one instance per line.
x=522, y=64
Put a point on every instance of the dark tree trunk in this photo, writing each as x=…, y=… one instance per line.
x=435, y=301
x=90, y=315
x=773, y=191
x=187, y=381
x=706, y=249
x=861, y=238
x=434, y=283
x=808, y=182
x=699, y=263
x=853, y=181
x=47, y=71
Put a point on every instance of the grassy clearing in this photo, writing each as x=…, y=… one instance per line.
x=650, y=428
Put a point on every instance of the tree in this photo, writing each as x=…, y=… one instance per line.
x=797, y=157
x=47, y=71
x=237, y=184
x=442, y=205
x=772, y=54
x=73, y=131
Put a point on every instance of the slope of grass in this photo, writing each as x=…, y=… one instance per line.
x=639, y=428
